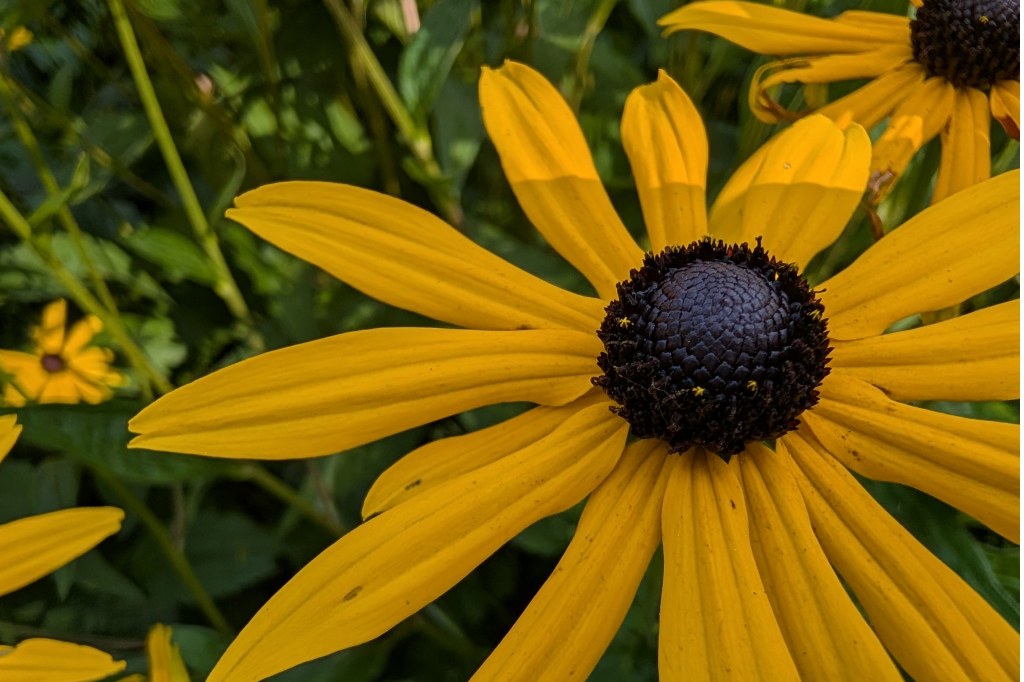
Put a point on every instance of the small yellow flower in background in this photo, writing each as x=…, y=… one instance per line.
x=165, y=662
x=706, y=347
x=63, y=368
x=15, y=40
x=32, y=548
x=940, y=73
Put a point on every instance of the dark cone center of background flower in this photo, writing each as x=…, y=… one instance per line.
x=53, y=363
x=970, y=43
x=713, y=345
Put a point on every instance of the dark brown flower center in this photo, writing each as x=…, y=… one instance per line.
x=52, y=363
x=970, y=43
x=713, y=345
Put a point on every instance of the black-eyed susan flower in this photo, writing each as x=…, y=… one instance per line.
x=706, y=348
x=938, y=73
x=36, y=546
x=63, y=367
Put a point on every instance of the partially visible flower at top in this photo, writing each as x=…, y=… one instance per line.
x=62, y=368
x=702, y=349
x=939, y=73
x=164, y=658
x=33, y=547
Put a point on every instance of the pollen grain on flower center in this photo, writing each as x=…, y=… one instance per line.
x=713, y=345
x=970, y=43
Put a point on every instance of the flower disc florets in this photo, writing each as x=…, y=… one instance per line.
x=713, y=345
x=970, y=43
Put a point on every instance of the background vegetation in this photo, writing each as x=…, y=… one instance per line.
x=123, y=179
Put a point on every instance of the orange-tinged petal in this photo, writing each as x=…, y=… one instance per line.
x=798, y=191
x=716, y=620
x=570, y=622
x=165, y=664
x=971, y=464
x=668, y=151
x=38, y=545
x=48, y=660
x=770, y=30
x=1005, y=104
x=930, y=620
x=828, y=637
x=940, y=257
x=549, y=166
x=334, y=394
x=400, y=561
x=970, y=357
x=49, y=335
x=965, y=146
x=826, y=69
x=448, y=458
x=9, y=430
x=408, y=258
x=62, y=388
x=917, y=120
x=869, y=104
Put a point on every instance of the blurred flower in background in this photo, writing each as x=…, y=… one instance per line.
x=939, y=73
x=63, y=367
x=36, y=546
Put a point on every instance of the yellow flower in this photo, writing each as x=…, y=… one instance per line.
x=938, y=74
x=750, y=540
x=62, y=368
x=32, y=548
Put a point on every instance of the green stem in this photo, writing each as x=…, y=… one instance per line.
x=81, y=294
x=581, y=70
x=225, y=286
x=282, y=491
x=415, y=137
x=176, y=557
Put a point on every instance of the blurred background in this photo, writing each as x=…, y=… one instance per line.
x=126, y=129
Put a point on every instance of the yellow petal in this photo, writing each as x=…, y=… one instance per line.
x=38, y=545
x=445, y=459
x=81, y=334
x=798, y=191
x=400, y=561
x=971, y=357
x=828, y=637
x=716, y=621
x=48, y=660
x=941, y=256
x=870, y=103
x=334, y=394
x=9, y=430
x=63, y=388
x=1005, y=103
x=930, y=620
x=570, y=622
x=26, y=372
x=668, y=151
x=406, y=257
x=827, y=69
x=917, y=119
x=769, y=30
x=965, y=145
x=971, y=464
x=165, y=664
x=548, y=164
x=49, y=335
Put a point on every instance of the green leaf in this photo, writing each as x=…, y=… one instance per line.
x=97, y=435
x=178, y=256
x=424, y=65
